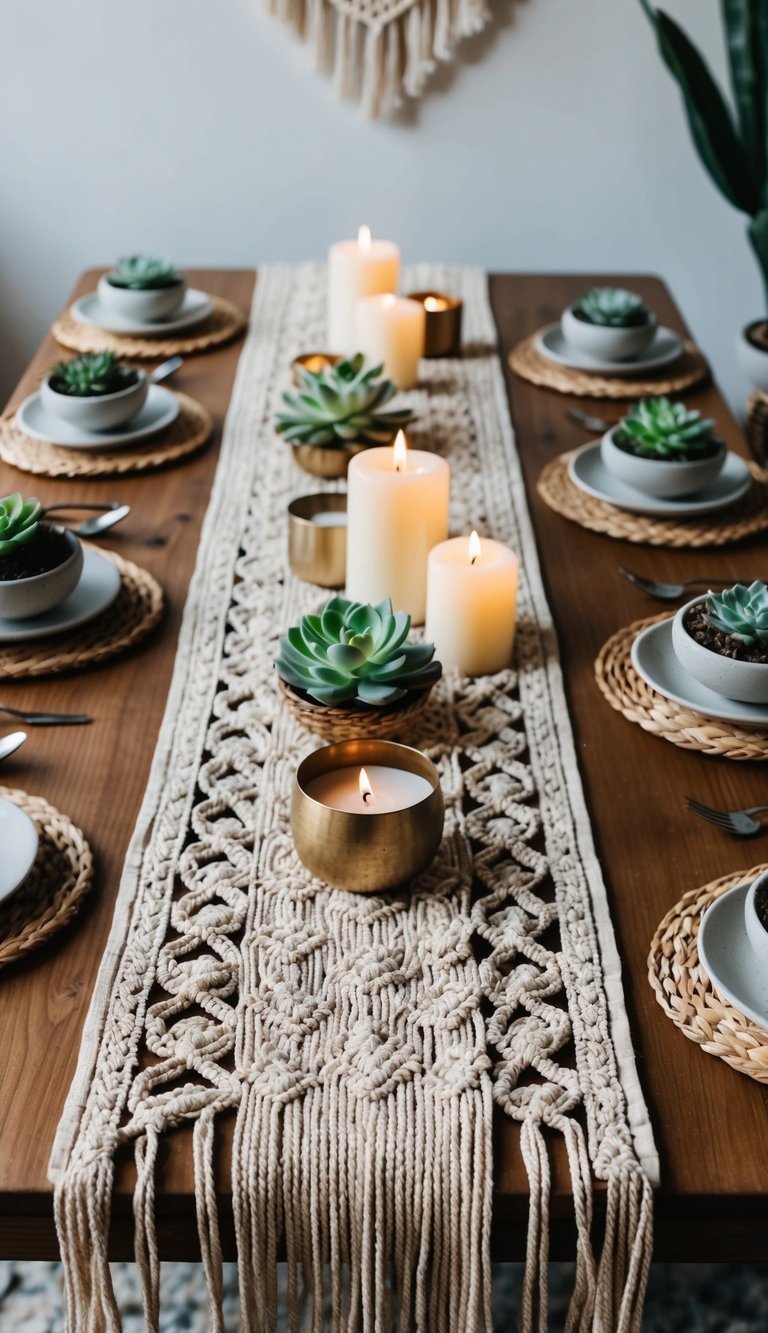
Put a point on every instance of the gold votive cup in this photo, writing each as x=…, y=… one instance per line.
x=366, y=853
x=314, y=361
x=443, y=322
x=317, y=552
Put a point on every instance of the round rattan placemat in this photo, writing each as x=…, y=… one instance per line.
x=685, y=992
x=134, y=613
x=746, y=518
x=226, y=321
x=191, y=430
x=59, y=880
x=628, y=693
x=527, y=361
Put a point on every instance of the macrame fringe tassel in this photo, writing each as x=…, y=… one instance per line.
x=82, y=1211
x=208, y=1215
x=145, y=1239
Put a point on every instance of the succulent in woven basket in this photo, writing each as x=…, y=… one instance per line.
x=19, y=520
x=143, y=273
x=91, y=375
x=613, y=307
x=341, y=405
x=740, y=611
x=660, y=429
x=355, y=653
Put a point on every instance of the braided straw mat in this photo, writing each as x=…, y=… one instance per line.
x=226, y=321
x=191, y=430
x=527, y=361
x=59, y=880
x=747, y=517
x=685, y=992
x=134, y=613
x=628, y=693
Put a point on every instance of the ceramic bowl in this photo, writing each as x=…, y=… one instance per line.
x=22, y=598
x=756, y=932
x=606, y=344
x=663, y=479
x=753, y=361
x=745, y=681
x=19, y=840
x=102, y=411
x=144, y=307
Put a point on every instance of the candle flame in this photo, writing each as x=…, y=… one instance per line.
x=366, y=790
x=401, y=451
x=433, y=303
x=364, y=238
x=388, y=300
x=475, y=549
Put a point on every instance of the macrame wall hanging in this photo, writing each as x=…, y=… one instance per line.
x=380, y=51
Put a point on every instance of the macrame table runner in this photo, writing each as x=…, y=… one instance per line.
x=361, y=1041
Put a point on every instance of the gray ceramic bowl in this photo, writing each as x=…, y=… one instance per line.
x=606, y=344
x=22, y=598
x=745, y=681
x=143, y=307
x=102, y=411
x=756, y=932
x=663, y=479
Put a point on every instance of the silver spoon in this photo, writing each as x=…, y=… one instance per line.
x=669, y=592
x=165, y=369
x=587, y=421
x=11, y=742
x=47, y=719
x=108, y=516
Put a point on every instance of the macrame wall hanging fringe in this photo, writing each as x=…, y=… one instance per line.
x=377, y=51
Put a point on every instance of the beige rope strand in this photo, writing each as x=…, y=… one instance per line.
x=208, y=1215
x=147, y=1258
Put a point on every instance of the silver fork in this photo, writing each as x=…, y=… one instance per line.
x=739, y=822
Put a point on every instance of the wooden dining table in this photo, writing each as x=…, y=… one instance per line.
x=710, y=1122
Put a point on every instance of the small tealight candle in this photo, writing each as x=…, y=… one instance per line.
x=442, y=335
x=357, y=269
x=375, y=790
x=390, y=330
x=317, y=538
x=471, y=604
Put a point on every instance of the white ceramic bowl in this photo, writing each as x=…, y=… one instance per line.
x=606, y=344
x=756, y=932
x=145, y=307
x=102, y=411
x=662, y=478
x=745, y=681
x=753, y=362
x=22, y=598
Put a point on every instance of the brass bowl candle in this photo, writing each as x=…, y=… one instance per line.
x=317, y=538
x=366, y=816
x=443, y=322
x=312, y=361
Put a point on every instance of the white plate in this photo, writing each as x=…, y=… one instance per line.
x=160, y=409
x=195, y=307
x=587, y=471
x=666, y=347
x=18, y=839
x=98, y=587
x=654, y=658
x=728, y=959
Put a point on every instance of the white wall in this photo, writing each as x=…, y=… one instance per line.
x=194, y=128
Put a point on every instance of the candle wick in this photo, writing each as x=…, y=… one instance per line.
x=472, y=561
x=366, y=797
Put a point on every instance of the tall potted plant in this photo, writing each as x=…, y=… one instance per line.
x=732, y=143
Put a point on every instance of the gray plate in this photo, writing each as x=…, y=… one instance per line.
x=587, y=471
x=195, y=307
x=18, y=839
x=654, y=658
x=728, y=958
x=98, y=587
x=160, y=410
x=666, y=347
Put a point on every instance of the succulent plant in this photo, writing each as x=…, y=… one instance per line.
x=658, y=428
x=91, y=375
x=613, y=307
x=18, y=522
x=341, y=405
x=143, y=272
x=740, y=611
x=351, y=652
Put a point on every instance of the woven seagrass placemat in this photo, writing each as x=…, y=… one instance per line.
x=59, y=880
x=747, y=517
x=133, y=614
x=226, y=321
x=191, y=430
x=685, y=992
x=528, y=362
x=628, y=693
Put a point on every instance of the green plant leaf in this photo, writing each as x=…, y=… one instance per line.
x=747, y=64
x=379, y=695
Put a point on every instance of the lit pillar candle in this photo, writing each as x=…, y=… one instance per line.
x=397, y=510
x=471, y=604
x=391, y=329
x=376, y=790
x=357, y=269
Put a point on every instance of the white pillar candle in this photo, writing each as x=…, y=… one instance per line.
x=391, y=329
x=357, y=269
x=376, y=790
x=397, y=510
x=471, y=603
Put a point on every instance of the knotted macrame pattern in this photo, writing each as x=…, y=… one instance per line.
x=362, y=1042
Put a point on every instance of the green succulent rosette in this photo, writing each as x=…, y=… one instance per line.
x=659, y=428
x=613, y=308
x=143, y=273
x=91, y=375
x=18, y=522
x=740, y=611
x=340, y=405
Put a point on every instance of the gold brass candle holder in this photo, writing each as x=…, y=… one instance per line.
x=313, y=361
x=443, y=322
x=366, y=852
x=317, y=545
